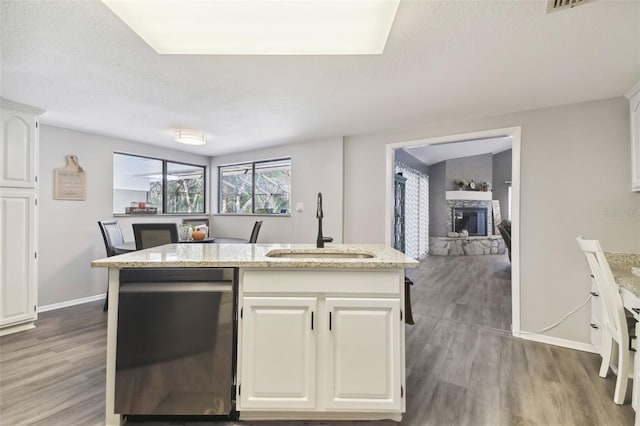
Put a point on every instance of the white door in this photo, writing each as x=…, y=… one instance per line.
x=17, y=256
x=18, y=149
x=278, y=364
x=363, y=360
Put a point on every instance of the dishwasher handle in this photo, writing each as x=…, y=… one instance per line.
x=177, y=287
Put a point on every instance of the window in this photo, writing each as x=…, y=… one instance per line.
x=260, y=187
x=159, y=185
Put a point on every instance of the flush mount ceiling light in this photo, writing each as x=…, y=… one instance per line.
x=260, y=27
x=190, y=137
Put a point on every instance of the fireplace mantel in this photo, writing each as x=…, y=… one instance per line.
x=469, y=195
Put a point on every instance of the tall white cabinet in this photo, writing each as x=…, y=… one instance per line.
x=18, y=216
x=634, y=105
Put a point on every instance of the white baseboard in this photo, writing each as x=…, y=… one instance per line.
x=556, y=341
x=17, y=328
x=73, y=302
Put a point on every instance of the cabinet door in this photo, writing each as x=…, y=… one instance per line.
x=17, y=256
x=18, y=149
x=363, y=360
x=596, y=318
x=278, y=365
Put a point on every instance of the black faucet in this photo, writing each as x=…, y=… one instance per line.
x=321, y=240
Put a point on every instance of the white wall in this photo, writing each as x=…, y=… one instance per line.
x=575, y=176
x=69, y=235
x=316, y=166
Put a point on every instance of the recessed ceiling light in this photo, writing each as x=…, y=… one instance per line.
x=260, y=27
x=190, y=137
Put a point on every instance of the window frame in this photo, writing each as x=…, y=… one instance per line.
x=253, y=187
x=165, y=181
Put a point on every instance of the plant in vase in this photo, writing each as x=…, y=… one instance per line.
x=184, y=232
x=461, y=183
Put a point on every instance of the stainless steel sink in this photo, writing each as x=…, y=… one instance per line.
x=319, y=255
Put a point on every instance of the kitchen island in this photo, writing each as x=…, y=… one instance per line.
x=320, y=332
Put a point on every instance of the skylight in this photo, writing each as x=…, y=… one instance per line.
x=260, y=27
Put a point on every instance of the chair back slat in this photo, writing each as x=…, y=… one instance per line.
x=255, y=231
x=613, y=309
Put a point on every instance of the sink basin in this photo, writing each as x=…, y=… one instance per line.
x=319, y=255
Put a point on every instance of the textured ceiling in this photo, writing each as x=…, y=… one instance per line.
x=431, y=154
x=444, y=60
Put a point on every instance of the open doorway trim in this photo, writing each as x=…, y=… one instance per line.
x=515, y=134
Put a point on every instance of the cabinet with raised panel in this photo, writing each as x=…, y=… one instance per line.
x=279, y=364
x=18, y=216
x=363, y=353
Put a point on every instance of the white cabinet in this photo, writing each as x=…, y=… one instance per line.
x=17, y=257
x=18, y=216
x=634, y=106
x=280, y=361
x=363, y=353
x=322, y=343
x=18, y=157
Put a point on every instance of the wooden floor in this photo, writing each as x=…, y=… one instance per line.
x=463, y=367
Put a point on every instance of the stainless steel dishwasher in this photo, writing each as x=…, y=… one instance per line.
x=175, y=352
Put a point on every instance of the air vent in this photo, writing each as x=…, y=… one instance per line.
x=556, y=5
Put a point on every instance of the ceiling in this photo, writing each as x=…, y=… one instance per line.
x=444, y=60
x=435, y=153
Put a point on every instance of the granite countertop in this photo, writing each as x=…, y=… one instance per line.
x=254, y=256
x=621, y=265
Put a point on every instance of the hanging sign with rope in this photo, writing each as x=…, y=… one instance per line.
x=70, y=182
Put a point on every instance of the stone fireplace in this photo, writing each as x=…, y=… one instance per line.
x=474, y=216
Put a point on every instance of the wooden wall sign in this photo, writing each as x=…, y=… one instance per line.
x=70, y=182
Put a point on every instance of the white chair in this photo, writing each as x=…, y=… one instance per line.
x=614, y=319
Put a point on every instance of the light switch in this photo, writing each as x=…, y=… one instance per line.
x=299, y=207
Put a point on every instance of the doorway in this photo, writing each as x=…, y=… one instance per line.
x=514, y=133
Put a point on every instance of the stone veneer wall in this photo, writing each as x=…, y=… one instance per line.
x=473, y=204
x=462, y=246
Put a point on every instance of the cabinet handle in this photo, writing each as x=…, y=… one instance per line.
x=329, y=321
x=636, y=310
x=594, y=326
x=312, y=320
x=594, y=294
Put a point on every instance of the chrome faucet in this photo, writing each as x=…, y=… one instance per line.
x=319, y=214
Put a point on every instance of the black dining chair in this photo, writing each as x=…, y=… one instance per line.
x=149, y=235
x=255, y=231
x=112, y=236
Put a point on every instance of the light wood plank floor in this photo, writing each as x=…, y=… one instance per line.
x=463, y=367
